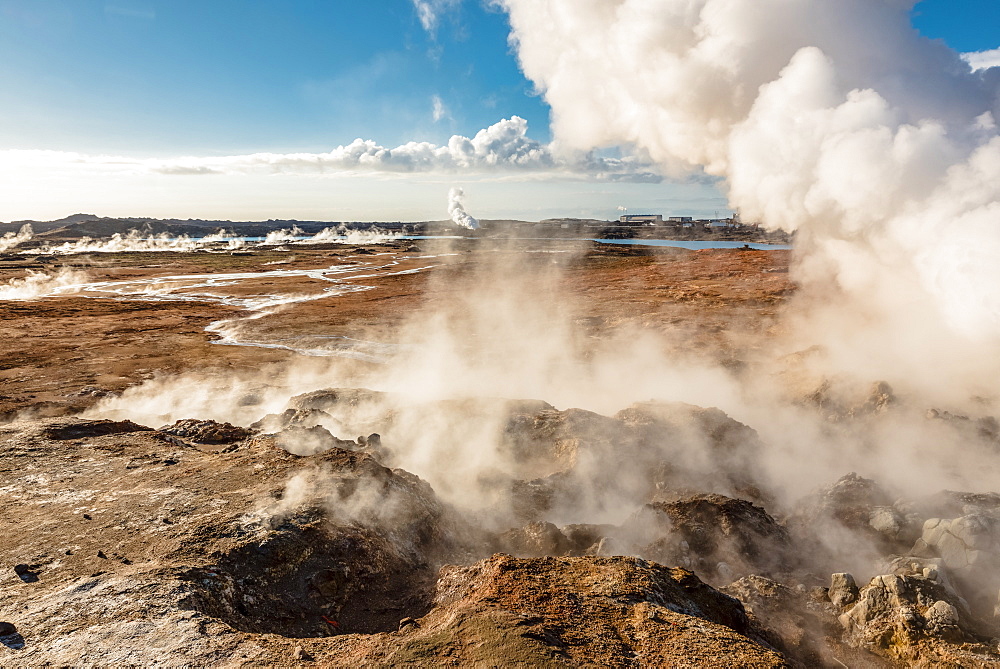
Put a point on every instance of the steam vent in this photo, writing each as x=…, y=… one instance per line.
x=520, y=333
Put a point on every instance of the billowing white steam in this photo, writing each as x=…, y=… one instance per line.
x=833, y=118
x=11, y=239
x=134, y=241
x=836, y=119
x=225, y=238
x=344, y=235
x=456, y=209
x=38, y=284
x=335, y=235
x=284, y=235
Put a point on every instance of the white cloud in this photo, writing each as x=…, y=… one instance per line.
x=981, y=60
x=439, y=110
x=502, y=149
x=429, y=12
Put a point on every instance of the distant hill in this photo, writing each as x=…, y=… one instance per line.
x=44, y=226
x=573, y=221
x=90, y=225
x=105, y=227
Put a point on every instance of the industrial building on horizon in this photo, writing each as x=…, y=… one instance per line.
x=681, y=221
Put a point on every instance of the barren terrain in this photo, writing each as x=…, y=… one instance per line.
x=57, y=347
x=323, y=455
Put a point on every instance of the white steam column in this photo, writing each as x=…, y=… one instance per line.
x=456, y=209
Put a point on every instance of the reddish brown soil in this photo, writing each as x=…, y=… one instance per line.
x=53, y=348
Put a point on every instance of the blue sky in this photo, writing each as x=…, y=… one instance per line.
x=162, y=79
x=965, y=25
x=225, y=76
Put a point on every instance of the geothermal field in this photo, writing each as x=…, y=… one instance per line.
x=702, y=371
x=477, y=450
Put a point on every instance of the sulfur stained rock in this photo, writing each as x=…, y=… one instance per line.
x=505, y=611
x=969, y=548
x=803, y=627
x=843, y=590
x=914, y=620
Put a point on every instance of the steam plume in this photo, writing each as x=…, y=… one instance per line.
x=135, y=241
x=343, y=235
x=834, y=119
x=10, y=239
x=38, y=284
x=456, y=209
x=281, y=236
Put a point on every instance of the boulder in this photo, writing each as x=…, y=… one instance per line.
x=298, y=418
x=332, y=400
x=310, y=441
x=843, y=590
x=969, y=547
x=850, y=501
x=706, y=448
x=583, y=537
x=850, y=524
x=952, y=504
x=802, y=626
x=916, y=620
x=76, y=428
x=206, y=431
x=702, y=531
x=653, y=451
x=536, y=539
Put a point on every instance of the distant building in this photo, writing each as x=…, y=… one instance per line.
x=641, y=219
x=681, y=219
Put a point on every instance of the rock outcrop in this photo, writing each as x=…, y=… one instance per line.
x=719, y=537
x=575, y=612
x=206, y=431
x=802, y=624
x=207, y=543
x=969, y=548
x=145, y=550
x=915, y=620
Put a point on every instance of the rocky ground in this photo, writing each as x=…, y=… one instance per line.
x=204, y=543
x=288, y=540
